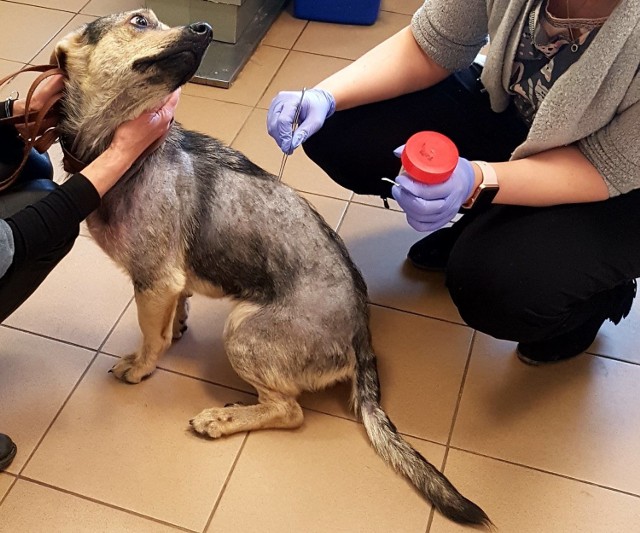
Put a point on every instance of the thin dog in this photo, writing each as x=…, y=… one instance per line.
x=198, y=216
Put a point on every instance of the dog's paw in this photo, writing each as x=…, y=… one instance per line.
x=181, y=316
x=178, y=329
x=128, y=369
x=214, y=422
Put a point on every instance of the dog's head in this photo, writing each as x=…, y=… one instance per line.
x=121, y=65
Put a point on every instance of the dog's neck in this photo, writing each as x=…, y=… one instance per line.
x=87, y=125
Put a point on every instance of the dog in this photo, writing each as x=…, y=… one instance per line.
x=198, y=216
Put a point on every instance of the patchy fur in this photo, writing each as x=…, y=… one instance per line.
x=198, y=216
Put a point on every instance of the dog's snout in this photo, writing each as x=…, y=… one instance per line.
x=201, y=28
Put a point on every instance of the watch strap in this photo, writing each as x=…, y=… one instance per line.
x=488, y=186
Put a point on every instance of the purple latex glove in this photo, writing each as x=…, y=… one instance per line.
x=316, y=107
x=430, y=207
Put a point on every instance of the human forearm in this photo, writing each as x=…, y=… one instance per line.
x=394, y=67
x=53, y=219
x=558, y=176
x=104, y=171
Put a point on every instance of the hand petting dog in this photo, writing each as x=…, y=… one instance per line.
x=130, y=140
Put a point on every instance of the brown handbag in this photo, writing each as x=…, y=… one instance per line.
x=37, y=129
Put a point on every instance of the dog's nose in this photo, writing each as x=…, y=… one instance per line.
x=201, y=28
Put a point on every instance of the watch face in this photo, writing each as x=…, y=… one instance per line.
x=486, y=194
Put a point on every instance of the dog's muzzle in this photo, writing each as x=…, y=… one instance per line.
x=181, y=60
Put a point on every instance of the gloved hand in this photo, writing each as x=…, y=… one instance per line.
x=430, y=207
x=315, y=108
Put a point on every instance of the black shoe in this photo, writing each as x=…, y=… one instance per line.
x=575, y=342
x=7, y=451
x=432, y=252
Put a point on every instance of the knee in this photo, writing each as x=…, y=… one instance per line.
x=494, y=298
x=349, y=158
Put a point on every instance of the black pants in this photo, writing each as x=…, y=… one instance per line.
x=34, y=183
x=518, y=273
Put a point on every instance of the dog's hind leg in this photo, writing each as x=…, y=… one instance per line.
x=274, y=410
x=262, y=361
x=156, y=311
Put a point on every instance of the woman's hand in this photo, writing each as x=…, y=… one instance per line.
x=429, y=207
x=316, y=105
x=130, y=140
x=50, y=87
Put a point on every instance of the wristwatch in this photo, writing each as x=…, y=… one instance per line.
x=487, y=190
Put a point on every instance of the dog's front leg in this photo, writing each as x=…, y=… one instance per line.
x=156, y=311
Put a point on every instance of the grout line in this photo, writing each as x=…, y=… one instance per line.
x=73, y=389
x=548, y=472
x=416, y=314
x=106, y=504
x=39, y=7
x=454, y=417
x=226, y=481
x=54, y=339
x=13, y=484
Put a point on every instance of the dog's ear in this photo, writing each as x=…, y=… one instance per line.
x=61, y=51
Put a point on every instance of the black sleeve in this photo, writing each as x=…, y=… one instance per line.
x=53, y=220
x=11, y=145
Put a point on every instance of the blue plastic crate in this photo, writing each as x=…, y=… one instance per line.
x=363, y=12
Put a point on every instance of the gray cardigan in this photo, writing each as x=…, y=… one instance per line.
x=595, y=104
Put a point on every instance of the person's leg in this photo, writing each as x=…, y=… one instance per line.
x=18, y=284
x=547, y=277
x=35, y=182
x=355, y=146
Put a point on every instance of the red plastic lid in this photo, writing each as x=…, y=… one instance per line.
x=429, y=157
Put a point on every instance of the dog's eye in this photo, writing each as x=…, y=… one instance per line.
x=139, y=21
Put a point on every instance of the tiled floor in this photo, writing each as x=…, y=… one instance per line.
x=542, y=450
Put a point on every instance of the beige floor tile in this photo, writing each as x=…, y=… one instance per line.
x=620, y=341
x=285, y=30
x=347, y=41
x=5, y=484
x=378, y=240
x=221, y=120
x=45, y=54
x=43, y=23
x=58, y=511
x=250, y=83
x=305, y=176
x=332, y=210
x=322, y=477
x=301, y=70
x=254, y=142
x=408, y=7
x=20, y=83
x=100, y=8
x=579, y=418
x=62, y=5
x=375, y=201
x=79, y=301
x=36, y=376
x=139, y=433
x=421, y=362
x=300, y=172
x=526, y=501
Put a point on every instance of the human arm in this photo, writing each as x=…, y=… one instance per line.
x=559, y=176
x=56, y=217
x=396, y=66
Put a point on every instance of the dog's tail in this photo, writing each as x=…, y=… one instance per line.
x=397, y=452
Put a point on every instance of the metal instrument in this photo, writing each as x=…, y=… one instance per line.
x=294, y=126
